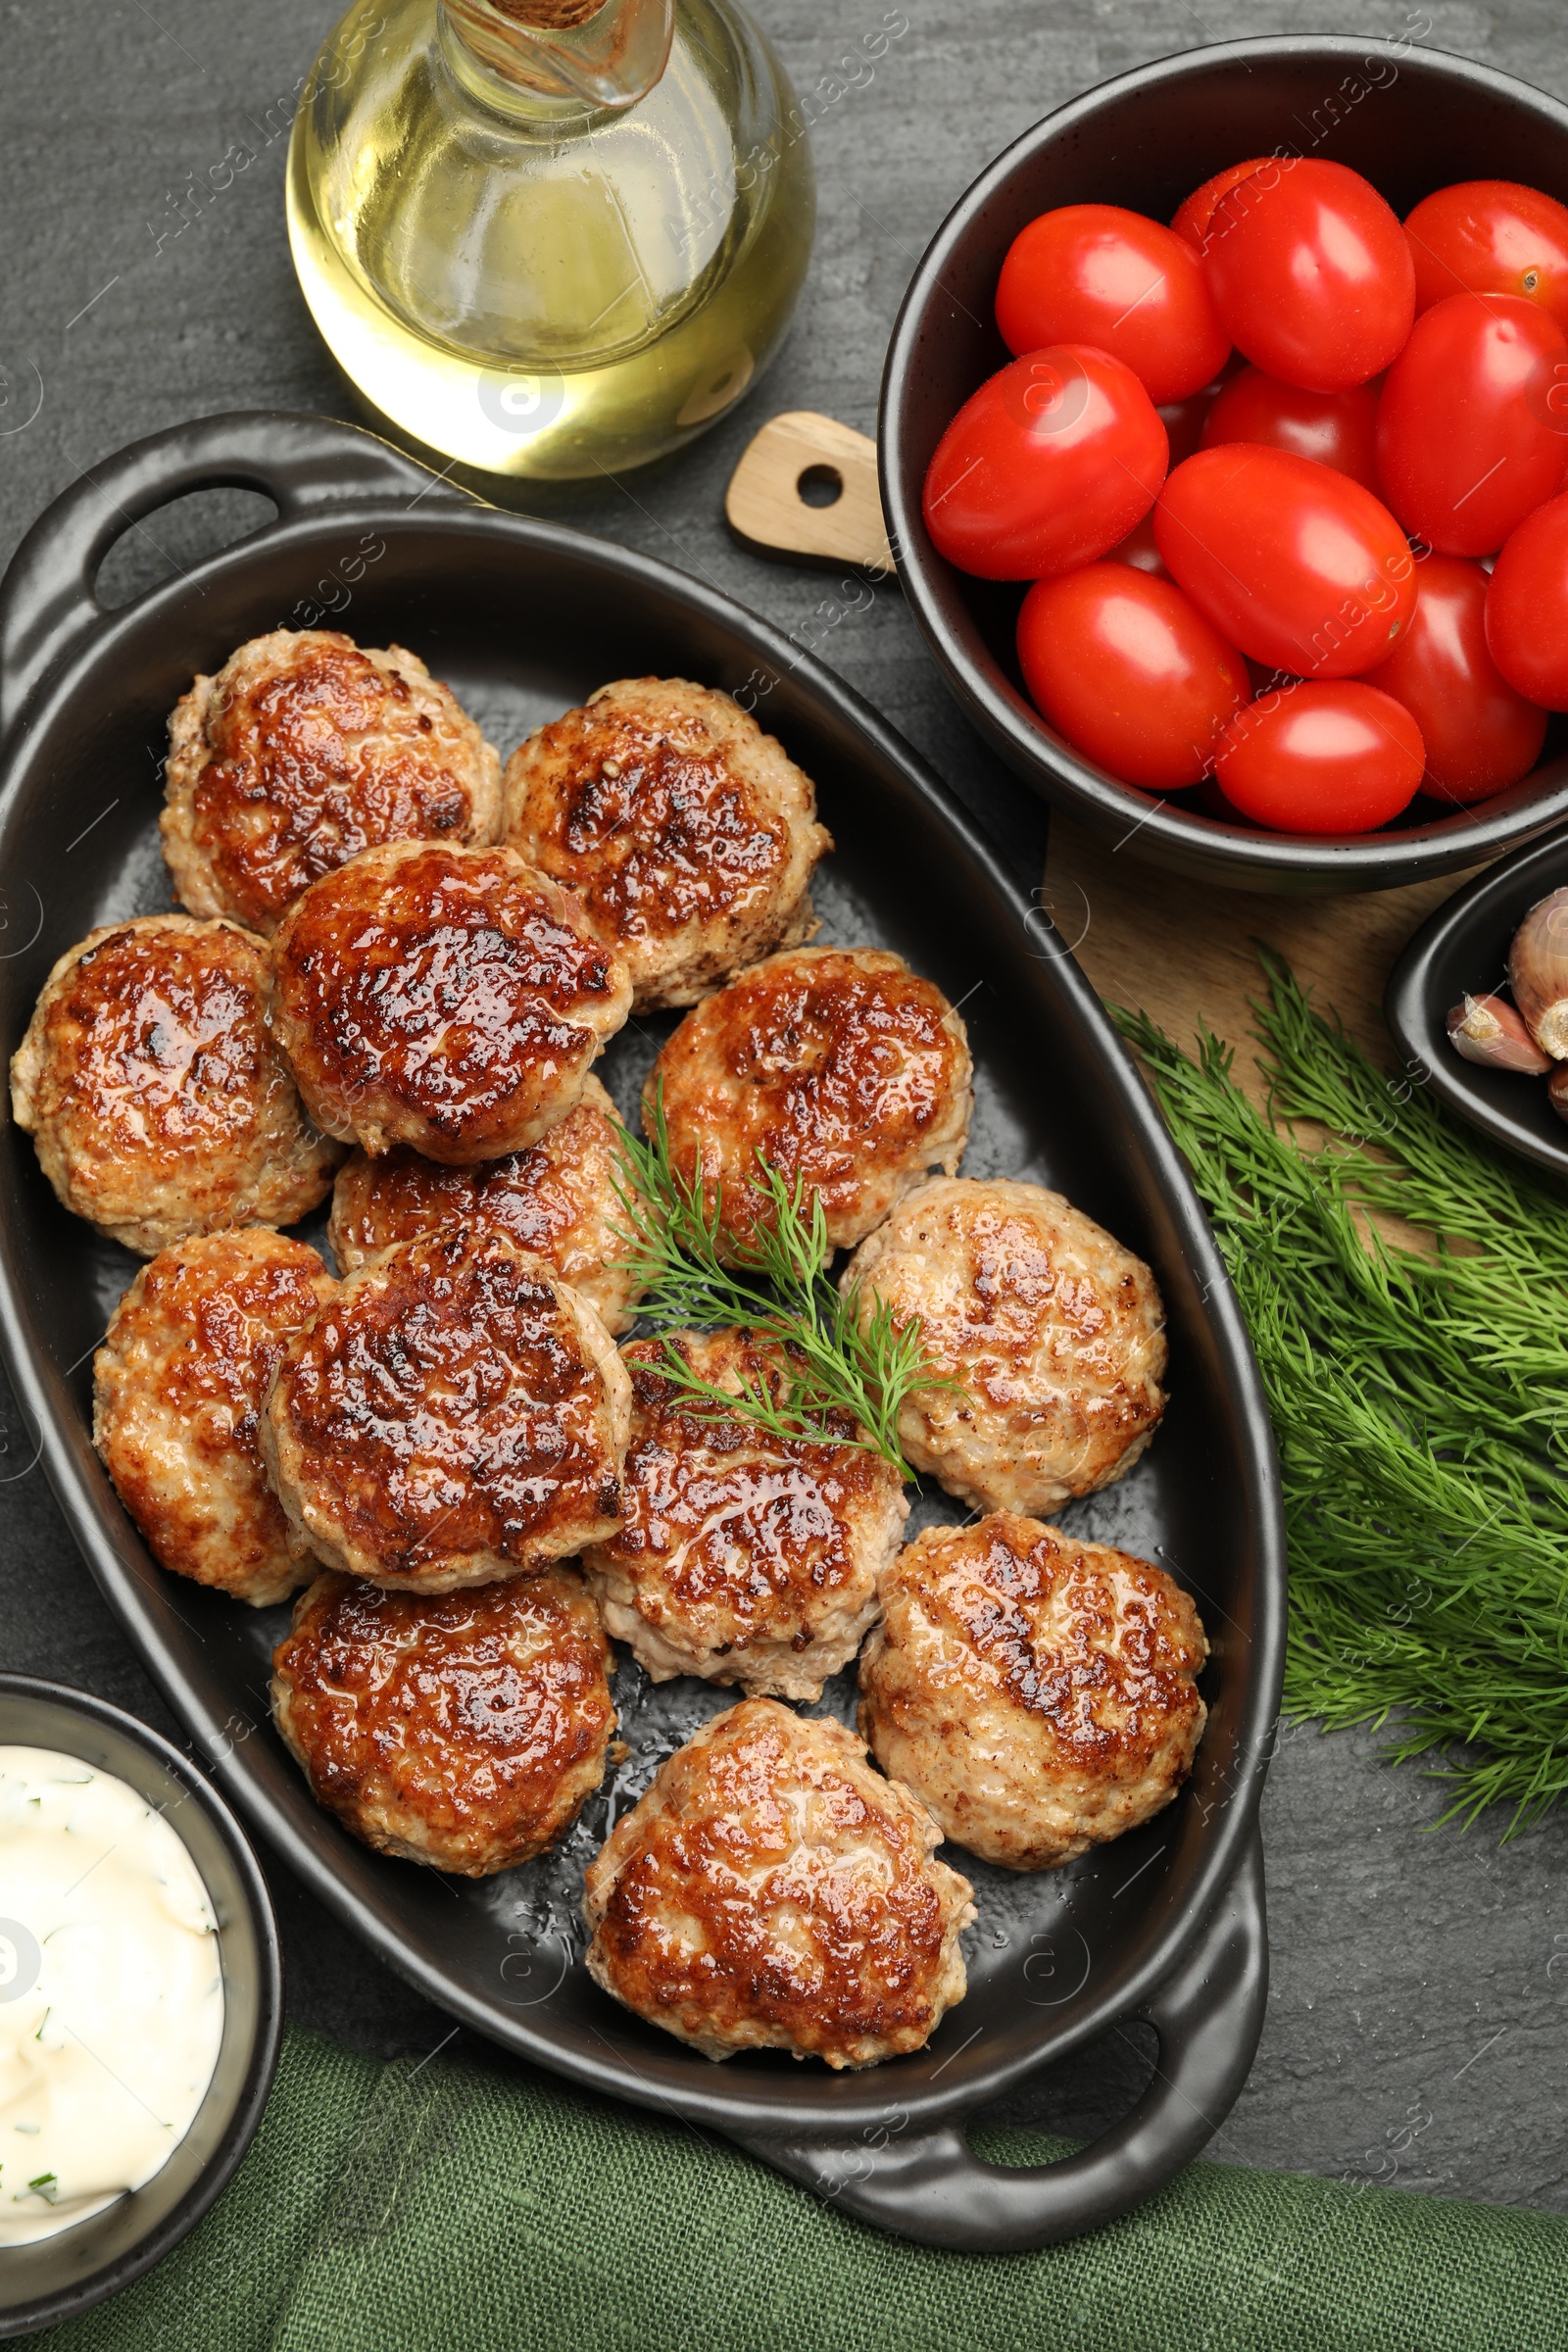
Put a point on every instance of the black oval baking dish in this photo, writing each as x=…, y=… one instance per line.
x=524, y=619
x=1462, y=949
x=60, y=2276
x=1411, y=119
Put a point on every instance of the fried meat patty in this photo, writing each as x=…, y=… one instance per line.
x=303, y=751
x=843, y=1067
x=450, y=999
x=1039, y=1694
x=454, y=1414
x=743, y=1557
x=772, y=1891
x=157, y=1099
x=178, y=1386
x=556, y=1197
x=1053, y=1333
x=690, y=834
x=462, y=1729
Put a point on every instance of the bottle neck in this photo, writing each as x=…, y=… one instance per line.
x=558, y=62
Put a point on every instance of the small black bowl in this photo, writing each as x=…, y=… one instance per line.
x=1463, y=947
x=63, y=2275
x=1413, y=121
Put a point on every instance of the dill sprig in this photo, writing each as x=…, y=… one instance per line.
x=833, y=1363
x=1419, y=1396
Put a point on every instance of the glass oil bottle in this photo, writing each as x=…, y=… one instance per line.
x=547, y=238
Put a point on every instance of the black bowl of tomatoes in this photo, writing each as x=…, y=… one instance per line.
x=1224, y=449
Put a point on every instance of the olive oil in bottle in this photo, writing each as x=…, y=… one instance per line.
x=545, y=238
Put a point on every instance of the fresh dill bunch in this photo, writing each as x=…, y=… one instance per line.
x=1419, y=1396
x=833, y=1363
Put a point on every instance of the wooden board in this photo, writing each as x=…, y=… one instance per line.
x=1186, y=954
x=1184, y=951
x=765, y=504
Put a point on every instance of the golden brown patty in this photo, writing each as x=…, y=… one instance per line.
x=772, y=1891
x=305, y=749
x=158, y=1100
x=1038, y=1694
x=178, y=1385
x=690, y=834
x=1053, y=1332
x=743, y=1557
x=556, y=1198
x=459, y=1729
x=450, y=999
x=453, y=1414
x=840, y=1066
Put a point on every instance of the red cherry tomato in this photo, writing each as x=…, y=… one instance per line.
x=1298, y=565
x=1527, y=607
x=1130, y=672
x=1047, y=466
x=1341, y=758
x=1473, y=421
x=1339, y=429
x=1193, y=218
x=1310, y=274
x=1094, y=274
x=1479, y=734
x=1490, y=236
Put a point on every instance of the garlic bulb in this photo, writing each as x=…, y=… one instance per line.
x=1557, y=1089
x=1485, y=1029
x=1537, y=972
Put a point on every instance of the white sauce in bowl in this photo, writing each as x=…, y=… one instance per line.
x=110, y=1991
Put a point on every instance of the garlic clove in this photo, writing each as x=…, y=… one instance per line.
x=1537, y=972
x=1485, y=1029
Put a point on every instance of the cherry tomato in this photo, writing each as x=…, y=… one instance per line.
x=1479, y=734
x=1309, y=759
x=1048, y=464
x=1490, y=236
x=1094, y=274
x=1298, y=565
x=1193, y=218
x=1527, y=607
x=1310, y=274
x=1339, y=429
x=1130, y=672
x=1473, y=421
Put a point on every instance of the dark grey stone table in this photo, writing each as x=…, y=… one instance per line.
x=1420, y=1994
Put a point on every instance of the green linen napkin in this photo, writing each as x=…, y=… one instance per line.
x=421, y=2206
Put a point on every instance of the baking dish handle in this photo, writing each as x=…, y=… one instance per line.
x=306, y=464
x=1208, y=2015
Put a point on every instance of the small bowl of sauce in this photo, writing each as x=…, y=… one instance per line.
x=140, y=2000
